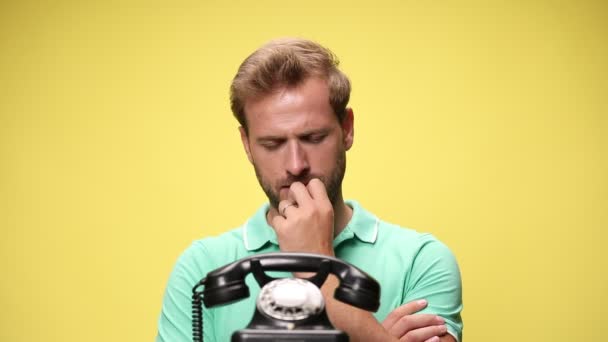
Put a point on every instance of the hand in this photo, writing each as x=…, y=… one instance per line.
x=403, y=324
x=306, y=220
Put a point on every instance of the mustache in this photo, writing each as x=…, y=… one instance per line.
x=302, y=179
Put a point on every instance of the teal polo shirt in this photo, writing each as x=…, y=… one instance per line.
x=407, y=264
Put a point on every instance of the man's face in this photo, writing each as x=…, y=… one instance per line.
x=294, y=136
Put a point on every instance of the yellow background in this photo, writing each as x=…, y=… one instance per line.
x=485, y=123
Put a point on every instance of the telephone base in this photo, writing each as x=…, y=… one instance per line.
x=263, y=335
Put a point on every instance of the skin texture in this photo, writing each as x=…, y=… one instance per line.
x=298, y=149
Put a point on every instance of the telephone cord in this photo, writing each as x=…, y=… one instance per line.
x=197, y=315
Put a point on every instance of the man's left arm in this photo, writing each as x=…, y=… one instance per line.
x=435, y=278
x=362, y=326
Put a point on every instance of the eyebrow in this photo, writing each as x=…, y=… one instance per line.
x=301, y=135
x=270, y=138
x=314, y=131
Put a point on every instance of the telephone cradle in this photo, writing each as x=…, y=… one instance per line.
x=287, y=309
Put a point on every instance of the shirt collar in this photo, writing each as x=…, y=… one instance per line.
x=257, y=232
x=363, y=225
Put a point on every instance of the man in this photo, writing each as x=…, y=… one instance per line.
x=291, y=102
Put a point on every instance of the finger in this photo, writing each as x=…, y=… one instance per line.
x=423, y=334
x=291, y=197
x=412, y=322
x=300, y=194
x=433, y=339
x=403, y=310
x=288, y=208
x=317, y=190
x=284, y=206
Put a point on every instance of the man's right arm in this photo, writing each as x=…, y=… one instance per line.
x=175, y=321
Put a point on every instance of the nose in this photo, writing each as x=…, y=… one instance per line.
x=297, y=160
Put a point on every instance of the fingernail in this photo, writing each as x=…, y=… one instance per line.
x=439, y=320
x=422, y=302
x=444, y=329
x=434, y=339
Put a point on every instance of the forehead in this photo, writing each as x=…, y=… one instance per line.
x=291, y=109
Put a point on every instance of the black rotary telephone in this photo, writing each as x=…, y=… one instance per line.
x=287, y=309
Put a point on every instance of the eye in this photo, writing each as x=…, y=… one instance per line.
x=314, y=138
x=271, y=145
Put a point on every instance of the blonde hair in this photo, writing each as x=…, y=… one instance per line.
x=288, y=62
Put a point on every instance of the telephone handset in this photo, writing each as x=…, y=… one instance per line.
x=287, y=308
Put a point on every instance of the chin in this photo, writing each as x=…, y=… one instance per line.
x=283, y=193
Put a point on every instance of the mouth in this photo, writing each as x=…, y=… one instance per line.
x=303, y=181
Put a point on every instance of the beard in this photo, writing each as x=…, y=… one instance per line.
x=333, y=182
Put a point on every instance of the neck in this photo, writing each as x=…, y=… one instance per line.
x=342, y=215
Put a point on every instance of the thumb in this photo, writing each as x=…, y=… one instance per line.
x=277, y=222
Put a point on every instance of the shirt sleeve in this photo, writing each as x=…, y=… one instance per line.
x=435, y=277
x=175, y=322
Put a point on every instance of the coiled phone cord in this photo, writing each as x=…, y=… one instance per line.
x=197, y=314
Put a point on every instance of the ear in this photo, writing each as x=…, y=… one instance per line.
x=245, y=141
x=348, y=128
